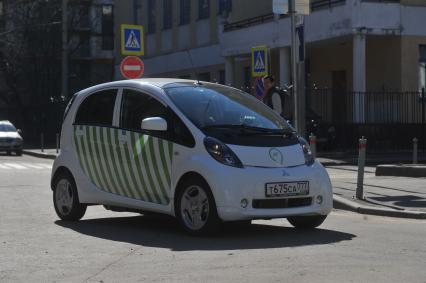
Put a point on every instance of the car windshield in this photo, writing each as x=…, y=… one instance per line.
x=216, y=106
x=7, y=128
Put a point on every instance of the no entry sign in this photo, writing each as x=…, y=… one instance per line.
x=132, y=67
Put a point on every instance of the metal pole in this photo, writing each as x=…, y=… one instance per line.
x=423, y=120
x=64, y=49
x=135, y=12
x=361, y=164
x=415, y=141
x=57, y=143
x=42, y=142
x=292, y=12
x=313, y=144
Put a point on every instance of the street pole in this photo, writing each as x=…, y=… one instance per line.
x=292, y=12
x=64, y=49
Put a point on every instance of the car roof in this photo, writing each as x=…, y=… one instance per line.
x=155, y=82
x=5, y=122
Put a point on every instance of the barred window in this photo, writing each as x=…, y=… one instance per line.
x=152, y=18
x=203, y=9
x=185, y=12
x=167, y=14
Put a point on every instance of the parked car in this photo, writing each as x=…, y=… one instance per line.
x=10, y=138
x=202, y=152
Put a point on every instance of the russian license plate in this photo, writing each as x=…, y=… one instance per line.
x=286, y=189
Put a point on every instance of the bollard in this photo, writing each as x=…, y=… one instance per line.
x=57, y=143
x=313, y=144
x=42, y=142
x=361, y=164
x=415, y=143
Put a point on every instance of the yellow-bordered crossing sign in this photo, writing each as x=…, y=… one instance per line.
x=132, y=40
x=259, y=61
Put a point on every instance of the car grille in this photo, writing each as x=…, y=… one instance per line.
x=281, y=203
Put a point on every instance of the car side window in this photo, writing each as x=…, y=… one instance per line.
x=97, y=109
x=137, y=106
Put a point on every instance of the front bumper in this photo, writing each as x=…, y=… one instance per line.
x=10, y=147
x=249, y=184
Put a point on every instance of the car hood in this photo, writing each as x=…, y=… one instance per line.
x=273, y=157
x=13, y=135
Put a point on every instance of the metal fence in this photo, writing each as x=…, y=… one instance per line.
x=390, y=120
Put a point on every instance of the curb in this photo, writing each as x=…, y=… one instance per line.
x=345, y=204
x=39, y=154
x=407, y=170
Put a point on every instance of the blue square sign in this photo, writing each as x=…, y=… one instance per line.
x=132, y=42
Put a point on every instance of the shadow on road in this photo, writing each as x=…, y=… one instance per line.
x=163, y=232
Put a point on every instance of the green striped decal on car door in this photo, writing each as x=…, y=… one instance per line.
x=125, y=163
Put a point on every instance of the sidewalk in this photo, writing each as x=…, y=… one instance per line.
x=384, y=195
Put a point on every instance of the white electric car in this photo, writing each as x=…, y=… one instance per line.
x=202, y=152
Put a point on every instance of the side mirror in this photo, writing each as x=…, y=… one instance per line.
x=19, y=131
x=154, y=124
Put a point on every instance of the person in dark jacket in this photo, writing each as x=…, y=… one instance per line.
x=274, y=96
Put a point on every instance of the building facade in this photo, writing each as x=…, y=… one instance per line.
x=357, y=45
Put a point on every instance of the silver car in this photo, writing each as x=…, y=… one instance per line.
x=10, y=138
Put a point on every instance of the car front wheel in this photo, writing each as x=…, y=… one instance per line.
x=196, y=208
x=65, y=199
x=307, y=222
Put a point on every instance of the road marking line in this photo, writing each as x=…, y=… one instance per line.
x=15, y=166
x=4, y=167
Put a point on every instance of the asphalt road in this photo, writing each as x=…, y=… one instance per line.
x=123, y=247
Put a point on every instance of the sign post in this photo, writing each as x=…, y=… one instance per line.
x=132, y=67
x=259, y=68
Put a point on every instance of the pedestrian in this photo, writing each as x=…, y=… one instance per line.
x=274, y=96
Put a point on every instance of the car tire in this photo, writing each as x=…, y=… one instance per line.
x=65, y=198
x=306, y=222
x=195, y=208
x=9, y=152
x=18, y=152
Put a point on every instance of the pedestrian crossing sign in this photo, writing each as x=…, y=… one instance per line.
x=132, y=40
x=259, y=61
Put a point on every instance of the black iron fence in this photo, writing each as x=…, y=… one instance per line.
x=390, y=120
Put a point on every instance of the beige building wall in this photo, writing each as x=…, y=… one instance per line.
x=410, y=62
x=325, y=58
x=383, y=67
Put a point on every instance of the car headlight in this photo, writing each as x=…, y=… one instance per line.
x=309, y=157
x=221, y=152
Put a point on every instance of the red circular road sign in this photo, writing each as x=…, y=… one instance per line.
x=132, y=67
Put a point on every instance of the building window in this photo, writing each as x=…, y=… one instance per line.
x=203, y=9
x=152, y=19
x=107, y=27
x=185, y=12
x=224, y=7
x=422, y=67
x=167, y=14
